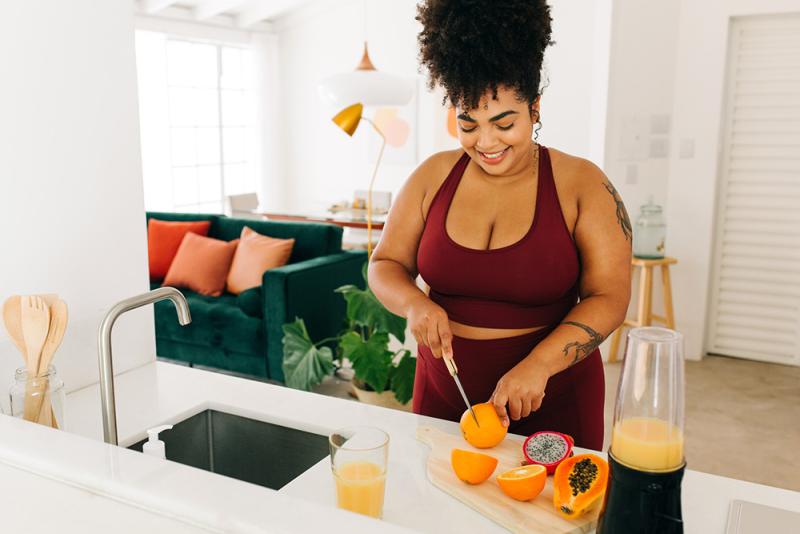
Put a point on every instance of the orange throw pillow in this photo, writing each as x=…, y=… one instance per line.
x=201, y=264
x=163, y=240
x=256, y=253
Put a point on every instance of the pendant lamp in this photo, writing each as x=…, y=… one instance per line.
x=366, y=85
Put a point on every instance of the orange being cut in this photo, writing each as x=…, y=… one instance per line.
x=491, y=430
x=472, y=467
x=523, y=483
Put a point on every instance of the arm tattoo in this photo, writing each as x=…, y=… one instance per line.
x=582, y=349
x=622, y=213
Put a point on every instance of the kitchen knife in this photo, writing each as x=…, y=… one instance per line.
x=451, y=366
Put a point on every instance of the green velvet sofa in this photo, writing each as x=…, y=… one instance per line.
x=242, y=334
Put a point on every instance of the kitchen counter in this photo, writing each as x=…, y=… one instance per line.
x=104, y=479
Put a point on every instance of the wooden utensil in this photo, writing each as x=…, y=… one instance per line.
x=59, y=317
x=35, y=316
x=532, y=517
x=12, y=318
x=58, y=325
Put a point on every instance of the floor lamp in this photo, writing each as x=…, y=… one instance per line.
x=348, y=120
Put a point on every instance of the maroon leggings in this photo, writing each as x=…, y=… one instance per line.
x=573, y=401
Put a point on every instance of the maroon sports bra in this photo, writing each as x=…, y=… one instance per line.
x=533, y=282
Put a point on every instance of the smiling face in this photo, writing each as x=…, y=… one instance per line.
x=497, y=134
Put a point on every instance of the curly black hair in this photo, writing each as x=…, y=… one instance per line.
x=471, y=46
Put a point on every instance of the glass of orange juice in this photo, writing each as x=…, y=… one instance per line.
x=359, y=458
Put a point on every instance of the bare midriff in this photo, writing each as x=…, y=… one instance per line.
x=477, y=332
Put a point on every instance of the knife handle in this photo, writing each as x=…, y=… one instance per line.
x=451, y=365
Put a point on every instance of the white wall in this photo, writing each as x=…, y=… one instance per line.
x=640, y=90
x=691, y=191
x=574, y=105
x=71, y=192
x=322, y=165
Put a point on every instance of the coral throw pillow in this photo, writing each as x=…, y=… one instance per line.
x=201, y=264
x=163, y=240
x=256, y=253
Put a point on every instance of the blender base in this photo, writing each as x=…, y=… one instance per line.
x=641, y=502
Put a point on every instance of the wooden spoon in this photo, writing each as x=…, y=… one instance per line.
x=12, y=318
x=35, y=316
x=59, y=317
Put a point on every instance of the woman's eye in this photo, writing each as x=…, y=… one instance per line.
x=467, y=130
x=506, y=127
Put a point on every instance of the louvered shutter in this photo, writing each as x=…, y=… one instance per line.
x=755, y=298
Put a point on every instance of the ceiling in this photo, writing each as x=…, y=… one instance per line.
x=243, y=14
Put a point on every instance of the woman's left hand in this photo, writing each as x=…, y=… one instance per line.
x=522, y=388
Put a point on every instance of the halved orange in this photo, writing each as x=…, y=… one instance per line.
x=472, y=467
x=523, y=483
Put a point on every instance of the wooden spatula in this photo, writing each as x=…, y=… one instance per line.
x=35, y=316
x=59, y=317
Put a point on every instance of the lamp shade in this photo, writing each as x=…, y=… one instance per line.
x=370, y=87
x=348, y=118
x=367, y=85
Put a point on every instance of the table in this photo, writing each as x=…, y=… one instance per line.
x=342, y=220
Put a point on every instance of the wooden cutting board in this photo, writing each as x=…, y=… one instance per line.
x=532, y=517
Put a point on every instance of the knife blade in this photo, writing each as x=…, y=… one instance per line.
x=453, y=369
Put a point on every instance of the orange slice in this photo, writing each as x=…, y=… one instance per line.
x=491, y=430
x=472, y=467
x=523, y=483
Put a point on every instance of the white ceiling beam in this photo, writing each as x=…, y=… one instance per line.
x=162, y=21
x=212, y=8
x=154, y=6
x=265, y=10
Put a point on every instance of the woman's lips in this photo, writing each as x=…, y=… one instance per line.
x=493, y=158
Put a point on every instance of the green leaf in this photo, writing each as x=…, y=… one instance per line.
x=401, y=377
x=304, y=365
x=371, y=360
x=364, y=309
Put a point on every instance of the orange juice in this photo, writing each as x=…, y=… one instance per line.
x=647, y=444
x=360, y=487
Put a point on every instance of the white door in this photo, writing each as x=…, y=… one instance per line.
x=755, y=298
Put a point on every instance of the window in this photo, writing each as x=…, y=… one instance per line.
x=198, y=98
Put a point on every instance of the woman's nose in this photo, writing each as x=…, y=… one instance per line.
x=486, y=139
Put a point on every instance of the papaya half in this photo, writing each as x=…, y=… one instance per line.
x=579, y=484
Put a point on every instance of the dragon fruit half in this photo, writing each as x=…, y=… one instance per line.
x=547, y=448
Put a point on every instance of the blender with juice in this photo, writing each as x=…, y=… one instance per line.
x=646, y=458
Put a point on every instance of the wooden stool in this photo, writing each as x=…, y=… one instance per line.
x=644, y=316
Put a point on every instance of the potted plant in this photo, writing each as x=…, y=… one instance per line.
x=382, y=377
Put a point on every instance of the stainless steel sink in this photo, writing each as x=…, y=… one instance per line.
x=261, y=453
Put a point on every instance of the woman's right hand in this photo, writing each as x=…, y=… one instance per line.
x=429, y=325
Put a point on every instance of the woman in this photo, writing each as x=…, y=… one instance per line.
x=526, y=249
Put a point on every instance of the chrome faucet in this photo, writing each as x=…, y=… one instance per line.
x=107, y=398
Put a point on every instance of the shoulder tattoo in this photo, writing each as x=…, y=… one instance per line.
x=622, y=213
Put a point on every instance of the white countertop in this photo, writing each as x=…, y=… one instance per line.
x=140, y=490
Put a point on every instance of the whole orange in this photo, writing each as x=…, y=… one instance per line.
x=472, y=467
x=488, y=432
